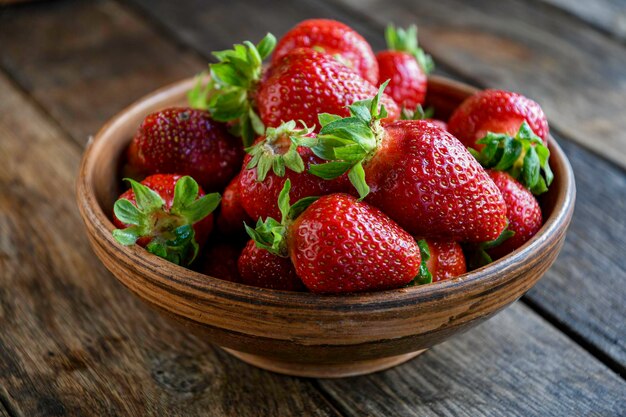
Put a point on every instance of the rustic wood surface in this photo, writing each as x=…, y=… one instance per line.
x=607, y=15
x=67, y=66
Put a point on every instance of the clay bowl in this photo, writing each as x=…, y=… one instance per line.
x=301, y=333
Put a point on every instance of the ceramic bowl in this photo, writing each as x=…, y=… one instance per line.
x=302, y=333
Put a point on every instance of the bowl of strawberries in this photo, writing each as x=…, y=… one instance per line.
x=331, y=212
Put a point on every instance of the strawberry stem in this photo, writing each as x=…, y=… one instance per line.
x=405, y=40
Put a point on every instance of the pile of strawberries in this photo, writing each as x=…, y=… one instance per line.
x=326, y=160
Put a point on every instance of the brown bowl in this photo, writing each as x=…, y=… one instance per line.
x=301, y=333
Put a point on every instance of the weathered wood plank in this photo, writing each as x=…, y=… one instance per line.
x=513, y=365
x=73, y=340
x=576, y=73
x=557, y=293
x=608, y=15
x=85, y=61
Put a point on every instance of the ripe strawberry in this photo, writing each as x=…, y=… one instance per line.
x=185, y=141
x=338, y=244
x=275, y=158
x=420, y=176
x=260, y=268
x=405, y=65
x=441, y=260
x=496, y=111
x=522, y=210
x=334, y=38
x=167, y=214
x=305, y=83
x=219, y=260
x=232, y=215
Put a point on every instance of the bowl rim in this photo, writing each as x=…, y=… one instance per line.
x=489, y=276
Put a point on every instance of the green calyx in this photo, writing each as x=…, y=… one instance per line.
x=171, y=231
x=271, y=234
x=348, y=142
x=405, y=40
x=234, y=79
x=480, y=257
x=417, y=114
x=268, y=154
x=523, y=156
x=424, y=276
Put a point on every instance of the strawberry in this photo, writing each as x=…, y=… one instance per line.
x=167, y=214
x=260, y=268
x=300, y=85
x=338, y=244
x=232, y=215
x=185, y=141
x=523, y=213
x=275, y=158
x=220, y=261
x=441, y=260
x=405, y=65
x=334, y=38
x=496, y=111
x=523, y=155
x=420, y=176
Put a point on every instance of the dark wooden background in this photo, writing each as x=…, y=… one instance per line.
x=74, y=342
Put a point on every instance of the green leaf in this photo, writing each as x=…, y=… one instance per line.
x=512, y=149
x=266, y=45
x=255, y=121
x=201, y=208
x=326, y=118
x=127, y=236
x=283, y=201
x=146, y=199
x=330, y=170
x=293, y=160
x=424, y=276
x=350, y=153
x=531, y=168
x=356, y=175
x=263, y=168
x=399, y=39
x=299, y=206
x=126, y=212
x=228, y=74
x=185, y=193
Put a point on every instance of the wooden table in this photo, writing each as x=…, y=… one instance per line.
x=75, y=342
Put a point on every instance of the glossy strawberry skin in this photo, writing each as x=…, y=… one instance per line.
x=305, y=83
x=186, y=141
x=259, y=268
x=523, y=213
x=232, y=215
x=220, y=261
x=496, y=111
x=164, y=185
x=340, y=245
x=335, y=38
x=259, y=199
x=426, y=180
x=446, y=259
x=407, y=81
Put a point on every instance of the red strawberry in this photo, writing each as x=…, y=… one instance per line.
x=405, y=65
x=420, y=176
x=185, y=141
x=167, y=214
x=338, y=244
x=305, y=82
x=496, y=111
x=333, y=38
x=232, y=215
x=522, y=210
x=260, y=268
x=275, y=158
x=441, y=260
x=220, y=261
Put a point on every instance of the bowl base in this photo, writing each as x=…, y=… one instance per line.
x=332, y=370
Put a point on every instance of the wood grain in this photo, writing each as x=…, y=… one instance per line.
x=73, y=341
x=608, y=15
x=83, y=61
x=513, y=365
x=574, y=72
x=594, y=248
